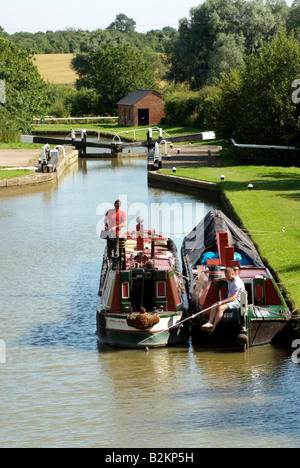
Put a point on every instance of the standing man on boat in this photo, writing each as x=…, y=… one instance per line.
x=115, y=219
x=235, y=287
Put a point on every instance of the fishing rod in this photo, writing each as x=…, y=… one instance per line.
x=179, y=323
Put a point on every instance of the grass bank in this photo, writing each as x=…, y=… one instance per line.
x=273, y=203
x=11, y=173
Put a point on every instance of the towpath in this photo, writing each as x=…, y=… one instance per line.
x=19, y=158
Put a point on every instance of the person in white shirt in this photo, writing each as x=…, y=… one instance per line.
x=235, y=287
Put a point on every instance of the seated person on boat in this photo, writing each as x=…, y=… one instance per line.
x=235, y=287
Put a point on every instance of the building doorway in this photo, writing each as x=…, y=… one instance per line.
x=143, y=117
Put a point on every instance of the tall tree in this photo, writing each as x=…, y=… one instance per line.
x=123, y=24
x=256, y=103
x=114, y=72
x=247, y=22
x=293, y=21
x=227, y=53
x=24, y=86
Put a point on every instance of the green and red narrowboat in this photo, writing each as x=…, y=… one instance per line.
x=214, y=244
x=140, y=299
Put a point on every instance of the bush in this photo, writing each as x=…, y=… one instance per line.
x=9, y=128
x=85, y=102
x=191, y=108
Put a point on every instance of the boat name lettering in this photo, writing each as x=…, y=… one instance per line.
x=262, y=313
x=228, y=315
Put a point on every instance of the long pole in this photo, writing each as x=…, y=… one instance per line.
x=179, y=323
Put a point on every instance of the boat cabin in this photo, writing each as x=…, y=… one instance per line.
x=259, y=283
x=147, y=279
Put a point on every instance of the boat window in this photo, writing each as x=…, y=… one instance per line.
x=248, y=287
x=125, y=290
x=259, y=291
x=161, y=289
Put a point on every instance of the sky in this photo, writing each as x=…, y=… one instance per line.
x=42, y=15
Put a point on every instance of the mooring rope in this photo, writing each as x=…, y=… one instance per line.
x=256, y=232
x=254, y=306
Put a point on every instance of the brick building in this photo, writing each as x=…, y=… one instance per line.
x=141, y=107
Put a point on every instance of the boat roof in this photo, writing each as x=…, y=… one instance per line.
x=204, y=237
x=163, y=258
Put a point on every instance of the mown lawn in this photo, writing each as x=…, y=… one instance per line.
x=273, y=204
x=11, y=173
x=4, y=146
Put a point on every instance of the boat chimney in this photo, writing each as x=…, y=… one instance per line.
x=122, y=247
x=153, y=243
x=140, y=233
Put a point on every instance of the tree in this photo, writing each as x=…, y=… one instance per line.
x=280, y=11
x=123, y=24
x=114, y=72
x=3, y=32
x=293, y=21
x=23, y=85
x=269, y=115
x=255, y=104
x=227, y=53
x=247, y=23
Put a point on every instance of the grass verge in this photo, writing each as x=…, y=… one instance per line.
x=11, y=173
x=273, y=204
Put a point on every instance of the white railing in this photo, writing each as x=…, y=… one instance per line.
x=241, y=145
x=46, y=119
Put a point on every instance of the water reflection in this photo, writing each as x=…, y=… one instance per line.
x=77, y=329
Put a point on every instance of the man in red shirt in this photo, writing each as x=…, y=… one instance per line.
x=115, y=219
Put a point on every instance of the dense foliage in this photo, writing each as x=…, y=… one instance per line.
x=229, y=67
x=253, y=104
x=24, y=90
x=219, y=34
x=113, y=72
x=75, y=41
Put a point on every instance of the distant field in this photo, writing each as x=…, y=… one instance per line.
x=55, y=68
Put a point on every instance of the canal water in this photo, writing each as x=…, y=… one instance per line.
x=60, y=389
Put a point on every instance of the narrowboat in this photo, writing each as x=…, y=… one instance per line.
x=215, y=244
x=141, y=293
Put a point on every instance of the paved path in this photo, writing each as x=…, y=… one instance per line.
x=19, y=158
